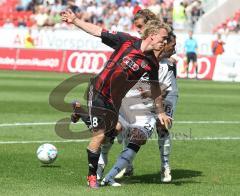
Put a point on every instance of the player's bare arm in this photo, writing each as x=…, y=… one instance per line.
x=158, y=99
x=69, y=17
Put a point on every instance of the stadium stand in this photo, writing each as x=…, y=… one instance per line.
x=231, y=24
x=114, y=14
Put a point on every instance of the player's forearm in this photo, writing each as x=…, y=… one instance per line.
x=159, y=104
x=157, y=96
x=88, y=27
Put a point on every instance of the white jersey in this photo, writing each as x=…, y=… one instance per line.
x=168, y=84
x=167, y=76
x=139, y=112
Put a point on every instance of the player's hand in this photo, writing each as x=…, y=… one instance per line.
x=165, y=120
x=68, y=16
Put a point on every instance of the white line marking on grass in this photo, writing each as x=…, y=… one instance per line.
x=44, y=141
x=176, y=122
x=32, y=124
x=215, y=138
x=207, y=122
x=87, y=140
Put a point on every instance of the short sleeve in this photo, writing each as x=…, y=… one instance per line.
x=114, y=39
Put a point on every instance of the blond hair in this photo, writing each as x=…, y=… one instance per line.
x=153, y=27
x=145, y=14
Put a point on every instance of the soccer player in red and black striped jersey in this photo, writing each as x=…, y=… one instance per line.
x=132, y=57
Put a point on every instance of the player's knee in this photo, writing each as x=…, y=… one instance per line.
x=134, y=147
x=138, y=137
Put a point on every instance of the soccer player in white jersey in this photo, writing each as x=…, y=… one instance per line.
x=137, y=118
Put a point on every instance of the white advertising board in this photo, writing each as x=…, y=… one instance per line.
x=79, y=40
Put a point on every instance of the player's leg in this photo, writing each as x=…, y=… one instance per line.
x=102, y=116
x=188, y=63
x=121, y=129
x=103, y=159
x=124, y=159
x=80, y=113
x=164, y=143
x=93, y=153
x=146, y=124
x=138, y=137
x=194, y=59
x=129, y=170
x=95, y=142
x=123, y=138
x=93, y=147
x=164, y=139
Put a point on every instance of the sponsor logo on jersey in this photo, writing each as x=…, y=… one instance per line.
x=127, y=62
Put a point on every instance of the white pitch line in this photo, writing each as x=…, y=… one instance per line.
x=175, y=122
x=31, y=124
x=87, y=140
x=215, y=138
x=207, y=122
x=43, y=141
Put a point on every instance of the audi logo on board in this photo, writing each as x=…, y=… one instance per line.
x=86, y=62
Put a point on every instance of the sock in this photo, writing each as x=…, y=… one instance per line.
x=103, y=159
x=125, y=144
x=124, y=159
x=164, y=144
x=125, y=140
x=92, y=162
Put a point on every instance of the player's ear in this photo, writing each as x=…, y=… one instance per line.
x=151, y=36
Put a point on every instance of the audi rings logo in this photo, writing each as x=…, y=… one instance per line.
x=86, y=62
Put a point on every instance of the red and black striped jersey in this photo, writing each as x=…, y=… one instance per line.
x=125, y=67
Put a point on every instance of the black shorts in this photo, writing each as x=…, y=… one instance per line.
x=191, y=56
x=103, y=114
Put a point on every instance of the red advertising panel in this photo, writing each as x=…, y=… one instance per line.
x=8, y=58
x=39, y=60
x=205, y=68
x=32, y=60
x=82, y=61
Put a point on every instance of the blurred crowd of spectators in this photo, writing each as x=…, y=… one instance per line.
x=111, y=14
x=232, y=24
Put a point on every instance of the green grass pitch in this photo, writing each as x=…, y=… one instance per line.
x=205, y=156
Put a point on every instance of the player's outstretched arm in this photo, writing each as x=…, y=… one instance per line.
x=69, y=17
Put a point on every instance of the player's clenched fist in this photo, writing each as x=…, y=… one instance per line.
x=68, y=16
